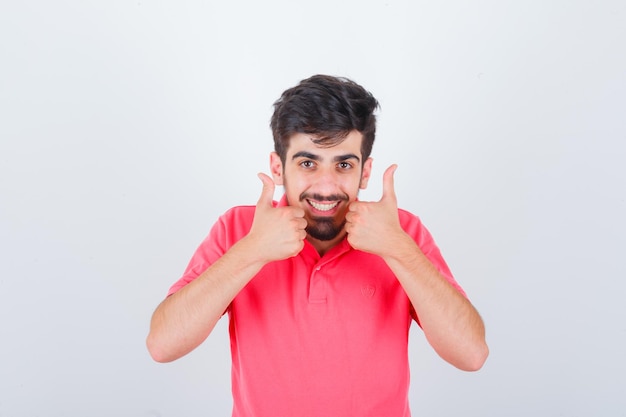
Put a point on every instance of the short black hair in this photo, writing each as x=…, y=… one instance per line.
x=328, y=108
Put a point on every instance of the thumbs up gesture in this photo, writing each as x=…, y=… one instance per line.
x=374, y=226
x=278, y=232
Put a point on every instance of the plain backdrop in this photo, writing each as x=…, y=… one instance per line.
x=128, y=127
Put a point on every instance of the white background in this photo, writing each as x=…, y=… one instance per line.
x=127, y=127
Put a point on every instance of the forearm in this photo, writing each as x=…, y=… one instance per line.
x=185, y=319
x=451, y=324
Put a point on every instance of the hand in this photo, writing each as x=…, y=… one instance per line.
x=374, y=226
x=278, y=232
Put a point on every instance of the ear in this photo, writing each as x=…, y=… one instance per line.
x=276, y=168
x=365, y=174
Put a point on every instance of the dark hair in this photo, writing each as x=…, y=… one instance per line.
x=328, y=108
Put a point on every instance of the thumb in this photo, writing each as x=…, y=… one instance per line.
x=389, y=191
x=267, y=194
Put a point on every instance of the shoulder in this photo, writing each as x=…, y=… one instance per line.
x=244, y=214
x=235, y=222
x=415, y=228
x=231, y=226
x=239, y=213
x=409, y=220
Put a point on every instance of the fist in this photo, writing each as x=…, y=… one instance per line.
x=374, y=226
x=278, y=232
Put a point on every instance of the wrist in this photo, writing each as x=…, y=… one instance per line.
x=401, y=248
x=249, y=251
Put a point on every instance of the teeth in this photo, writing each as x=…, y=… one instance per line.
x=323, y=207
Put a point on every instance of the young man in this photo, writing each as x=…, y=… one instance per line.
x=320, y=288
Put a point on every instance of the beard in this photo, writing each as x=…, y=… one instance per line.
x=324, y=228
x=320, y=227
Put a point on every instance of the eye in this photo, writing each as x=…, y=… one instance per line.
x=344, y=165
x=307, y=164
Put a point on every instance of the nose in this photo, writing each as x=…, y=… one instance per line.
x=326, y=182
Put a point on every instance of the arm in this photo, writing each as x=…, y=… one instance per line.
x=185, y=319
x=451, y=324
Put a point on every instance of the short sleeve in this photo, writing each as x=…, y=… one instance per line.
x=227, y=230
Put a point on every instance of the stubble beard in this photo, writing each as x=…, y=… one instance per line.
x=320, y=227
x=324, y=228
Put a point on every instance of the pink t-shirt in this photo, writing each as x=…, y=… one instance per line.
x=318, y=336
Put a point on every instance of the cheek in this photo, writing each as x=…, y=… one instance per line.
x=293, y=189
x=352, y=187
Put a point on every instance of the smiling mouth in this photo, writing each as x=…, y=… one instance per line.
x=323, y=206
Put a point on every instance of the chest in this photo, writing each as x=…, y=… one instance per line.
x=355, y=293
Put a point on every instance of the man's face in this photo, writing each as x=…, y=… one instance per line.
x=322, y=181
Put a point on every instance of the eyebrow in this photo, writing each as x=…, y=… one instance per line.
x=314, y=157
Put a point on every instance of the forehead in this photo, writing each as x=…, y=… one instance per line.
x=304, y=142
